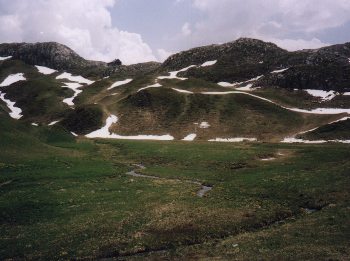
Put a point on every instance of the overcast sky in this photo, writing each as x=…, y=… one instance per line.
x=144, y=30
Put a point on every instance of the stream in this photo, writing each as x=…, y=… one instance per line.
x=201, y=193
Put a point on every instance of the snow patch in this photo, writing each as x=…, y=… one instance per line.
x=190, y=137
x=209, y=63
x=3, y=58
x=11, y=79
x=248, y=87
x=35, y=124
x=106, y=134
x=280, y=71
x=173, y=75
x=232, y=139
x=204, y=125
x=15, y=112
x=45, y=70
x=329, y=111
x=182, y=91
x=74, y=134
x=156, y=85
x=75, y=88
x=346, y=93
x=324, y=95
x=52, y=123
x=78, y=79
x=120, y=83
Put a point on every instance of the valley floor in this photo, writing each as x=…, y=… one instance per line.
x=77, y=200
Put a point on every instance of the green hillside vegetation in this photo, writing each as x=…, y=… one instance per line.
x=73, y=199
x=335, y=131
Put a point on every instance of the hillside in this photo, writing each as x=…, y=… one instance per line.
x=246, y=89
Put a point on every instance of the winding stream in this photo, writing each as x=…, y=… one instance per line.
x=201, y=193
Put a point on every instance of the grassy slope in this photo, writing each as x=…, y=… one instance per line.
x=161, y=111
x=40, y=96
x=66, y=199
x=339, y=130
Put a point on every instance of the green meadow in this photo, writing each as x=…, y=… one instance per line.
x=73, y=199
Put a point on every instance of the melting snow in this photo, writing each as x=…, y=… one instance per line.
x=248, y=87
x=75, y=88
x=52, y=123
x=190, y=137
x=233, y=139
x=326, y=96
x=15, y=111
x=12, y=79
x=280, y=71
x=209, y=63
x=74, y=134
x=173, y=75
x=35, y=124
x=183, y=91
x=45, y=70
x=346, y=93
x=314, y=111
x=78, y=79
x=119, y=83
x=204, y=125
x=3, y=58
x=104, y=133
x=156, y=85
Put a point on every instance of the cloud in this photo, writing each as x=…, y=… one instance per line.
x=290, y=23
x=186, y=30
x=83, y=25
x=163, y=55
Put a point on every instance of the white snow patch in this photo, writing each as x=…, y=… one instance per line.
x=209, y=63
x=324, y=95
x=321, y=110
x=261, y=62
x=52, y=123
x=173, y=75
x=78, y=79
x=204, y=125
x=15, y=112
x=3, y=58
x=12, y=79
x=120, y=83
x=248, y=87
x=182, y=91
x=268, y=159
x=226, y=84
x=74, y=134
x=232, y=139
x=156, y=85
x=105, y=133
x=35, y=124
x=190, y=137
x=329, y=111
x=75, y=88
x=45, y=70
x=280, y=71
x=295, y=140
x=346, y=93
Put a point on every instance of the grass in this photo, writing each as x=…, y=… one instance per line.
x=72, y=199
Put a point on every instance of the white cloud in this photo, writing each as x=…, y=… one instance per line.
x=83, y=25
x=163, y=54
x=293, y=24
x=186, y=30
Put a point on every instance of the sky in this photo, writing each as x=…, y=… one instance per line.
x=150, y=30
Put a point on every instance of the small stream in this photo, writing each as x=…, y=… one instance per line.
x=201, y=193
